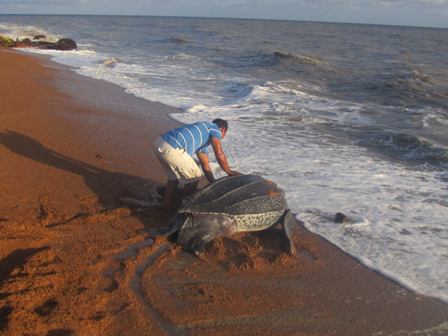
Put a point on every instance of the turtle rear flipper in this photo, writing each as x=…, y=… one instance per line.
x=292, y=231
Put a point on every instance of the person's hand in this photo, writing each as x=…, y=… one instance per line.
x=233, y=173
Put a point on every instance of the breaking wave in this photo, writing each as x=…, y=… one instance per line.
x=297, y=58
x=406, y=147
x=409, y=87
x=183, y=57
x=361, y=127
x=21, y=32
x=278, y=59
x=178, y=40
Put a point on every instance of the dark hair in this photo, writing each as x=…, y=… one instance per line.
x=221, y=123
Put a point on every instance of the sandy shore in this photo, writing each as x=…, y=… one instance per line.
x=76, y=259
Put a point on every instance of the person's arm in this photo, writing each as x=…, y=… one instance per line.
x=221, y=157
x=203, y=159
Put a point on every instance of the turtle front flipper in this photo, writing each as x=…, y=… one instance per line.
x=174, y=224
x=292, y=231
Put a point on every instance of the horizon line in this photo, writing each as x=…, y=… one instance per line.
x=229, y=18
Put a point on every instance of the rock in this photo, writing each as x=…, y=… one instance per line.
x=66, y=44
x=39, y=37
x=62, y=44
x=44, y=44
x=340, y=218
x=25, y=43
x=6, y=42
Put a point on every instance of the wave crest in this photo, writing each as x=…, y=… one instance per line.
x=406, y=147
x=298, y=58
x=407, y=87
x=178, y=40
x=20, y=32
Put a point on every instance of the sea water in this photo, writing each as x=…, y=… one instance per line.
x=345, y=118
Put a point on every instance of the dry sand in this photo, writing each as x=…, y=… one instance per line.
x=76, y=259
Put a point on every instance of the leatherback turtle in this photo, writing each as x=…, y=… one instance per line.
x=229, y=205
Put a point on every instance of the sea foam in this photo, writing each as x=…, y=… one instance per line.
x=290, y=122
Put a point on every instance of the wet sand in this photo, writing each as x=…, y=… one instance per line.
x=77, y=256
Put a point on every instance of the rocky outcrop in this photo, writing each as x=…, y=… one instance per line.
x=6, y=42
x=39, y=37
x=63, y=44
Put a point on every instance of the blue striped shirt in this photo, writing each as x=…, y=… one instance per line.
x=194, y=137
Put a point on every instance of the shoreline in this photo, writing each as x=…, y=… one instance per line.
x=73, y=253
x=87, y=88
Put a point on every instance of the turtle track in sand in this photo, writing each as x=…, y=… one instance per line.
x=139, y=291
x=188, y=295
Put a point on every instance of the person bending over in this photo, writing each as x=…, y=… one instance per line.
x=175, y=150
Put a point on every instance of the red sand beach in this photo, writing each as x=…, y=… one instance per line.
x=77, y=260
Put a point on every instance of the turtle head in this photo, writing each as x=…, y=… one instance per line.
x=175, y=224
x=196, y=230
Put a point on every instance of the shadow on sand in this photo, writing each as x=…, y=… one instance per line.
x=109, y=187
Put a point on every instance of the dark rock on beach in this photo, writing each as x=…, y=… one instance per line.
x=340, y=218
x=66, y=44
x=62, y=44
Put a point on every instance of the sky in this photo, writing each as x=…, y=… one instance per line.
x=428, y=13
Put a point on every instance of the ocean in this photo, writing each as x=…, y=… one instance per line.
x=344, y=117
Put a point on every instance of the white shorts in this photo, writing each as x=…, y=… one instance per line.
x=176, y=162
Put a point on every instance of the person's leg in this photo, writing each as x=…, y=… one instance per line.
x=186, y=169
x=190, y=188
x=178, y=165
x=162, y=150
x=168, y=197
